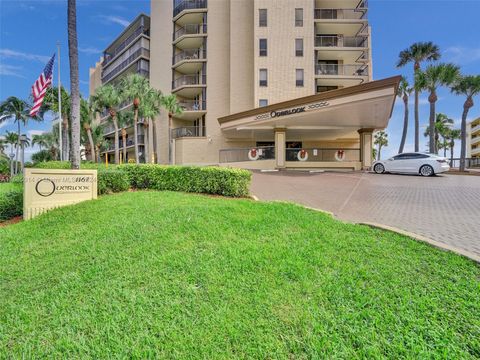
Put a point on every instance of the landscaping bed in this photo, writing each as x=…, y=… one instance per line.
x=150, y=274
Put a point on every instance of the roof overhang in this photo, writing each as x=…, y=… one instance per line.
x=368, y=105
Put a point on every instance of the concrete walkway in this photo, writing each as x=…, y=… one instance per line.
x=444, y=208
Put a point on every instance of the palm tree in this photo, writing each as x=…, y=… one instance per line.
x=452, y=135
x=98, y=139
x=11, y=138
x=135, y=88
x=74, y=82
x=442, y=125
x=19, y=110
x=170, y=103
x=125, y=120
x=50, y=102
x=40, y=140
x=468, y=86
x=86, y=120
x=381, y=139
x=24, y=142
x=404, y=92
x=417, y=53
x=150, y=109
x=108, y=97
x=430, y=79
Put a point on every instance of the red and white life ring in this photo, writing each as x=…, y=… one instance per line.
x=253, y=154
x=340, y=155
x=302, y=155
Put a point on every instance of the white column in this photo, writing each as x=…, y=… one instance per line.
x=280, y=148
x=366, y=146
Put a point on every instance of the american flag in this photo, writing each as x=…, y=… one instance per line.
x=41, y=85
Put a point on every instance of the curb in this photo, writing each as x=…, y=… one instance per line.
x=437, y=244
x=424, y=239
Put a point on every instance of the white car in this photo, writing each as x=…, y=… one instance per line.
x=413, y=163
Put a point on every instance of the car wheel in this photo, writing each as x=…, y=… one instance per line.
x=379, y=169
x=426, y=170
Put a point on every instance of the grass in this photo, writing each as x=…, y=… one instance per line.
x=159, y=274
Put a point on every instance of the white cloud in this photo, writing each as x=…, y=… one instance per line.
x=30, y=133
x=18, y=55
x=11, y=70
x=462, y=55
x=89, y=50
x=115, y=20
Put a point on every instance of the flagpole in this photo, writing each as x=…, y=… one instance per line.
x=59, y=105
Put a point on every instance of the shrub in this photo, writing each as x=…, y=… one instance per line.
x=111, y=181
x=11, y=203
x=4, y=166
x=208, y=180
x=67, y=165
x=42, y=156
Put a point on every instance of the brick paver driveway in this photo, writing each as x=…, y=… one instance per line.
x=445, y=208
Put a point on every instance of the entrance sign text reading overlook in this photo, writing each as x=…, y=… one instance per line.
x=47, y=189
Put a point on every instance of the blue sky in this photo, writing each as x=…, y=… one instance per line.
x=25, y=49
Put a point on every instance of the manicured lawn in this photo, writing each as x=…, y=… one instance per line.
x=159, y=274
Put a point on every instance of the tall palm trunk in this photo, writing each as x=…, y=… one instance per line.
x=145, y=141
x=379, y=156
x=92, y=146
x=135, y=129
x=117, y=145
x=170, y=142
x=405, y=125
x=74, y=82
x=416, y=67
x=452, y=145
x=17, y=148
x=124, y=143
x=150, y=141
x=431, y=144
x=463, y=132
x=65, y=147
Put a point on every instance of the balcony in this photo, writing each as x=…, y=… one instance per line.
x=475, y=140
x=130, y=143
x=336, y=70
x=190, y=36
x=188, y=131
x=189, y=5
x=110, y=56
x=475, y=129
x=339, y=14
x=341, y=41
x=189, y=61
x=142, y=52
x=192, y=109
x=189, y=85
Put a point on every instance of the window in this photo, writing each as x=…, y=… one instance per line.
x=299, y=17
x=299, y=77
x=322, y=88
x=263, y=47
x=263, y=77
x=298, y=47
x=262, y=17
x=262, y=102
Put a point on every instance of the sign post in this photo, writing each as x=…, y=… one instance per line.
x=46, y=189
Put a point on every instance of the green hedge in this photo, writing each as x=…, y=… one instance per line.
x=208, y=180
x=66, y=165
x=11, y=203
x=112, y=181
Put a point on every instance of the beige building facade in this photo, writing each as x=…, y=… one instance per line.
x=267, y=84
x=473, y=139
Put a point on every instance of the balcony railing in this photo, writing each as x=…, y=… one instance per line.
x=475, y=128
x=129, y=143
x=186, y=80
x=363, y=4
x=126, y=63
x=188, y=5
x=189, y=54
x=469, y=162
x=192, y=105
x=340, y=41
x=475, y=140
x=341, y=70
x=325, y=155
x=188, y=131
x=124, y=44
x=190, y=29
x=247, y=154
x=342, y=14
